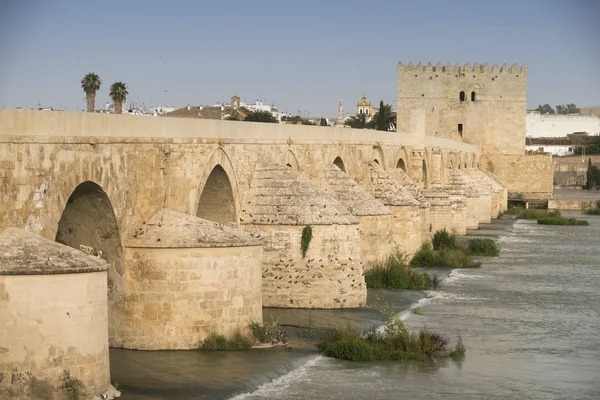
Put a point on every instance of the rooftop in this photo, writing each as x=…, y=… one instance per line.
x=24, y=253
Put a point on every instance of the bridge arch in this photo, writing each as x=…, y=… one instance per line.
x=88, y=223
x=338, y=162
x=377, y=156
x=290, y=159
x=218, y=194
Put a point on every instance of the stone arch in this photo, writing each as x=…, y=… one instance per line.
x=289, y=158
x=339, y=163
x=219, y=195
x=377, y=156
x=88, y=223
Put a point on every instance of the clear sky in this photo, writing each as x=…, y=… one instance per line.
x=300, y=55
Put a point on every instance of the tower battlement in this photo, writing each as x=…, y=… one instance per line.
x=458, y=69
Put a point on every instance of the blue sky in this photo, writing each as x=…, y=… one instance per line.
x=300, y=55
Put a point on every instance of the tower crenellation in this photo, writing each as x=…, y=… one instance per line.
x=457, y=68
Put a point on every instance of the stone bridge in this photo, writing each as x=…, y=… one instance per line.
x=200, y=221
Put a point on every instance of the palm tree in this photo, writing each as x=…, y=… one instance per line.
x=385, y=118
x=118, y=94
x=90, y=84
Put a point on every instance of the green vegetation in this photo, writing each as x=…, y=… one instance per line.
x=594, y=211
x=118, y=94
x=265, y=333
x=360, y=122
x=90, y=85
x=446, y=252
x=459, y=350
x=500, y=214
x=394, y=273
x=483, y=247
x=395, y=342
x=117, y=386
x=562, y=221
x=216, y=342
x=261, y=116
x=385, y=118
x=427, y=256
x=417, y=311
x=545, y=217
x=74, y=387
x=305, y=239
x=560, y=109
x=444, y=240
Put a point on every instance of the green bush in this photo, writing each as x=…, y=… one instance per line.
x=265, y=333
x=532, y=213
x=426, y=256
x=562, y=221
x=483, y=247
x=444, y=240
x=395, y=342
x=216, y=342
x=395, y=273
x=593, y=211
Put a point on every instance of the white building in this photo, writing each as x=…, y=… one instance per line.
x=558, y=125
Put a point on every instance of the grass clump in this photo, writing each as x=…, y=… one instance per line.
x=562, y=221
x=483, y=247
x=216, y=342
x=533, y=213
x=444, y=240
x=594, y=211
x=394, y=342
x=459, y=350
x=73, y=386
x=394, y=273
x=427, y=256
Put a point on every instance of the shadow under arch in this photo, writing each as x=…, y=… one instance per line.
x=338, y=162
x=424, y=175
x=401, y=164
x=218, y=195
x=88, y=223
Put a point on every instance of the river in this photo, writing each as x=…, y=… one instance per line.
x=530, y=320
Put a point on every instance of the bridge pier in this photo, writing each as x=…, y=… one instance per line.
x=186, y=278
x=54, y=319
x=284, y=205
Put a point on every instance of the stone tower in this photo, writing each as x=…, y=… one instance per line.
x=479, y=105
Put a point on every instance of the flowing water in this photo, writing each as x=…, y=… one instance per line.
x=530, y=320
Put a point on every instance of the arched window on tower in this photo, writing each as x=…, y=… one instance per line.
x=473, y=96
x=462, y=96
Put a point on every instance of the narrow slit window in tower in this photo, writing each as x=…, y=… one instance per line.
x=462, y=96
x=472, y=96
x=460, y=129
